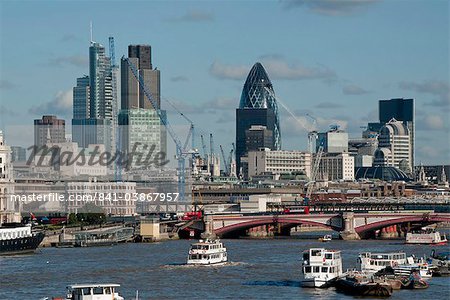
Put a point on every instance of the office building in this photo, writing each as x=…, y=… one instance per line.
x=94, y=107
x=333, y=141
x=402, y=110
x=277, y=162
x=336, y=166
x=257, y=106
x=394, y=147
x=49, y=129
x=141, y=127
x=257, y=137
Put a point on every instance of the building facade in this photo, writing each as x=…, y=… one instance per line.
x=336, y=166
x=394, y=147
x=333, y=141
x=9, y=210
x=49, y=129
x=141, y=128
x=402, y=110
x=278, y=162
x=18, y=154
x=258, y=106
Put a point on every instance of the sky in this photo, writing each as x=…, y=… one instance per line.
x=330, y=59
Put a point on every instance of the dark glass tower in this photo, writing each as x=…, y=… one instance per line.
x=257, y=106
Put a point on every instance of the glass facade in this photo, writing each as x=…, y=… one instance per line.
x=258, y=93
x=257, y=106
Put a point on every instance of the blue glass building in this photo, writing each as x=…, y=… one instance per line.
x=257, y=106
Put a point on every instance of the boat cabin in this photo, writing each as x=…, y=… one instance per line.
x=93, y=292
x=319, y=260
x=378, y=261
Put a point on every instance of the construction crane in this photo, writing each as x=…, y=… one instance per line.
x=314, y=172
x=115, y=128
x=181, y=152
x=224, y=161
x=230, y=163
x=191, y=133
x=205, y=153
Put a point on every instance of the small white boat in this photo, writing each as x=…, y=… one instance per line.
x=93, y=292
x=426, y=237
x=374, y=262
x=320, y=266
x=207, y=252
x=326, y=238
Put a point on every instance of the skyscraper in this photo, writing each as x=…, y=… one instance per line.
x=257, y=106
x=394, y=147
x=141, y=127
x=93, y=115
x=49, y=129
x=401, y=110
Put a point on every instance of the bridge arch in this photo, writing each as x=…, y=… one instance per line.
x=425, y=220
x=285, y=222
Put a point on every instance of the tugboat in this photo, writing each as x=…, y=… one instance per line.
x=440, y=262
x=426, y=237
x=207, y=252
x=92, y=291
x=320, y=267
x=16, y=238
x=351, y=286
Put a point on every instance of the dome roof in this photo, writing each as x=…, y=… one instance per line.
x=258, y=91
x=396, y=127
x=382, y=173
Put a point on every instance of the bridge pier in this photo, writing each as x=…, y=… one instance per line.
x=209, y=227
x=349, y=232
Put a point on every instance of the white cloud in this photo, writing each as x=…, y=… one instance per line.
x=276, y=67
x=437, y=88
x=353, y=90
x=74, y=60
x=61, y=104
x=330, y=7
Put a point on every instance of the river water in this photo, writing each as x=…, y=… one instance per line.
x=259, y=269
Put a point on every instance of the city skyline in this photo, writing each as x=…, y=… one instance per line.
x=205, y=59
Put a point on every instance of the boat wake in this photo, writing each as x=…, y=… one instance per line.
x=184, y=265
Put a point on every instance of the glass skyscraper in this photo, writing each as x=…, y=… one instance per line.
x=257, y=106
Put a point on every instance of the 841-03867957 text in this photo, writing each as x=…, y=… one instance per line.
x=143, y=197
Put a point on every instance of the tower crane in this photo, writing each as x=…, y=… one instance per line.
x=314, y=172
x=181, y=152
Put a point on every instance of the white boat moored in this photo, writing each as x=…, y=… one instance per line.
x=320, y=266
x=93, y=292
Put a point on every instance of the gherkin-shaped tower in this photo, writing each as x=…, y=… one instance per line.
x=257, y=107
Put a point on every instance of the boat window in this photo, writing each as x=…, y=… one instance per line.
x=316, y=252
x=98, y=291
x=328, y=256
x=107, y=290
x=324, y=269
x=332, y=270
x=305, y=256
x=86, y=291
x=316, y=269
x=308, y=269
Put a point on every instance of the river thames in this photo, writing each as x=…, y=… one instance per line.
x=258, y=269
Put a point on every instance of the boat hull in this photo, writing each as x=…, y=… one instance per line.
x=21, y=245
x=354, y=288
x=315, y=283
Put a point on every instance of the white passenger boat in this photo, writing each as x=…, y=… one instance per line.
x=93, y=292
x=207, y=252
x=427, y=237
x=320, y=266
x=374, y=262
